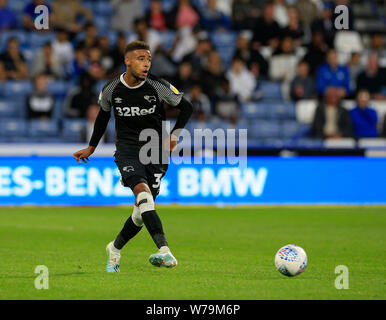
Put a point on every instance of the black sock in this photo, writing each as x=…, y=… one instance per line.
x=154, y=226
x=129, y=230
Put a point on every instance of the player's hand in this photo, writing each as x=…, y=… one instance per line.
x=171, y=143
x=84, y=154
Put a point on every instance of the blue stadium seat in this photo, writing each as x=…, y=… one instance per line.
x=255, y=110
x=167, y=5
x=19, y=34
x=17, y=88
x=294, y=129
x=13, y=127
x=102, y=23
x=264, y=129
x=283, y=110
x=224, y=39
x=73, y=129
x=59, y=88
x=58, y=109
x=271, y=90
x=38, y=39
x=43, y=128
x=308, y=143
x=103, y=8
x=167, y=39
x=110, y=136
x=12, y=108
x=17, y=5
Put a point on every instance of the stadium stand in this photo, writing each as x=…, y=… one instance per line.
x=272, y=119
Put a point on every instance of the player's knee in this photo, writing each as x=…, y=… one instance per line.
x=136, y=216
x=145, y=202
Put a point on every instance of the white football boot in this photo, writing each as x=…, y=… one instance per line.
x=163, y=258
x=113, y=258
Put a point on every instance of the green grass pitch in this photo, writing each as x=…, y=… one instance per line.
x=223, y=253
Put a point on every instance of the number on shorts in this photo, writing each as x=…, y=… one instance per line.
x=157, y=177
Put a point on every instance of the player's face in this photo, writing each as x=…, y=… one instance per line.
x=138, y=63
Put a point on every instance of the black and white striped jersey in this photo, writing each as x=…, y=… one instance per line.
x=137, y=108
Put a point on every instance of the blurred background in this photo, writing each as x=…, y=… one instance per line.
x=269, y=66
x=279, y=68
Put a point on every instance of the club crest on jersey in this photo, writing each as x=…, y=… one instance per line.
x=150, y=98
x=118, y=100
x=174, y=89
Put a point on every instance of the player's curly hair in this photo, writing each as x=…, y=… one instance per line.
x=136, y=45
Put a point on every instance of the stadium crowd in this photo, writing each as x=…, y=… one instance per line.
x=243, y=63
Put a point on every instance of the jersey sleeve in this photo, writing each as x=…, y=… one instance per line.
x=167, y=92
x=104, y=102
x=105, y=95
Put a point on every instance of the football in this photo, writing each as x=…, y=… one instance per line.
x=291, y=260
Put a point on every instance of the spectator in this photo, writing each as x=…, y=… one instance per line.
x=213, y=19
x=184, y=78
x=280, y=13
x=117, y=53
x=125, y=12
x=3, y=73
x=363, y=117
x=302, y=86
x=212, y=74
x=272, y=31
x=316, y=52
x=372, y=79
x=377, y=46
x=155, y=17
x=184, y=14
x=90, y=40
x=294, y=29
x=80, y=98
x=199, y=57
x=200, y=102
x=325, y=24
x=226, y=103
x=143, y=33
x=243, y=50
x=241, y=80
x=307, y=10
x=14, y=61
x=355, y=67
x=70, y=15
x=79, y=65
x=333, y=74
x=245, y=13
x=46, y=61
x=8, y=18
x=331, y=120
x=282, y=65
x=185, y=42
x=225, y=6
x=384, y=127
x=96, y=69
x=29, y=14
x=62, y=47
x=40, y=103
x=91, y=115
x=107, y=61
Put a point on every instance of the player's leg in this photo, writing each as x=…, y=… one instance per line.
x=132, y=173
x=130, y=229
x=145, y=201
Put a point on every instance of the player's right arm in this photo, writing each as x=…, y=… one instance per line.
x=100, y=126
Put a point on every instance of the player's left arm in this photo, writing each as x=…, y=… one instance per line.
x=186, y=110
